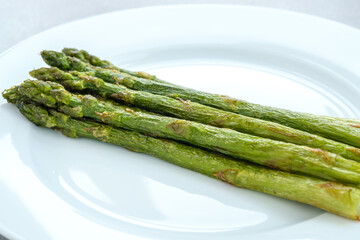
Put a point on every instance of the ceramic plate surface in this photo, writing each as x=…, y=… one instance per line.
x=53, y=187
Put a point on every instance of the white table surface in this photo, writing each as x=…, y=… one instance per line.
x=20, y=19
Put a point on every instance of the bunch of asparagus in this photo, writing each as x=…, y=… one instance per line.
x=299, y=156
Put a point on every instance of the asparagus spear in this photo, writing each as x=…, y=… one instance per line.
x=352, y=122
x=193, y=111
x=335, y=130
x=280, y=155
x=330, y=196
x=96, y=61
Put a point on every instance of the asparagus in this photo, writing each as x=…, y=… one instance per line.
x=352, y=122
x=193, y=111
x=96, y=61
x=330, y=196
x=335, y=130
x=275, y=154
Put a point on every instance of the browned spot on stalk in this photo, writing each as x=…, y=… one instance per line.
x=99, y=132
x=222, y=175
x=354, y=125
x=129, y=110
x=103, y=116
x=220, y=149
x=117, y=95
x=178, y=127
x=99, y=114
x=336, y=189
x=86, y=77
x=145, y=75
x=284, y=133
x=183, y=101
x=123, y=95
x=118, y=80
x=274, y=164
x=230, y=101
x=356, y=151
x=219, y=121
x=327, y=185
x=328, y=157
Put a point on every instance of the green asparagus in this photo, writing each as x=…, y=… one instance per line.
x=335, y=130
x=330, y=196
x=352, y=122
x=193, y=111
x=275, y=154
x=96, y=61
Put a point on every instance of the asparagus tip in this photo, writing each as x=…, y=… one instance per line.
x=69, y=50
x=49, y=74
x=11, y=94
x=55, y=59
x=80, y=54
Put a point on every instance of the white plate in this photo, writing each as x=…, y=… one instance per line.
x=53, y=187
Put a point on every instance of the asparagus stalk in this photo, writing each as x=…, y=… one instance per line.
x=352, y=122
x=193, y=111
x=275, y=154
x=330, y=196
x=335, y=130
x=96, y=61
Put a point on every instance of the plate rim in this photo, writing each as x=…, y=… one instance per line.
x=12, y=235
